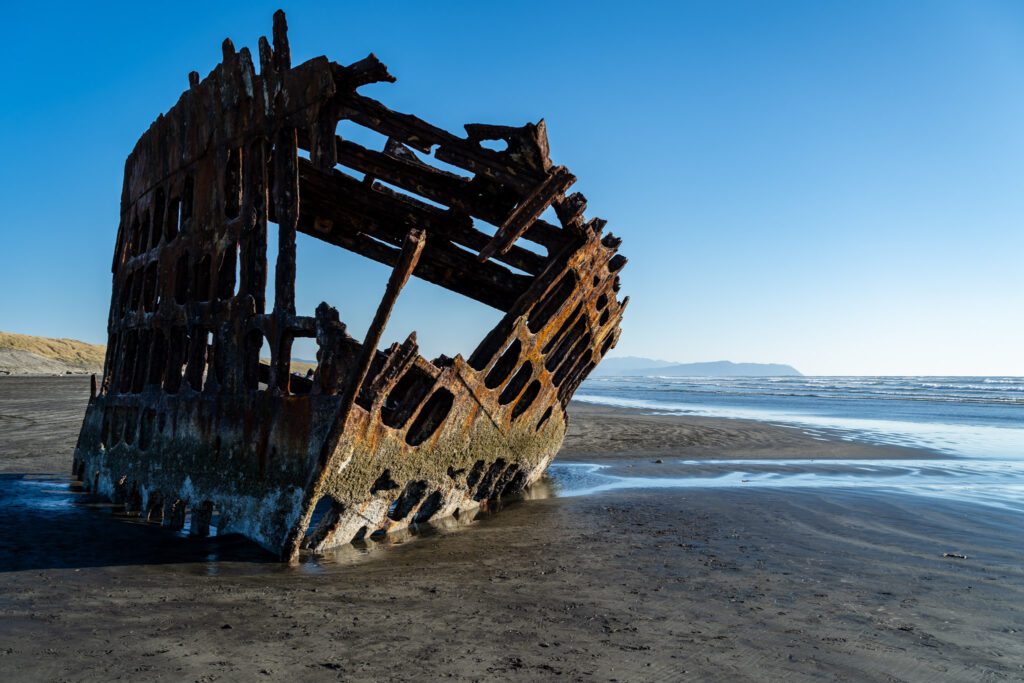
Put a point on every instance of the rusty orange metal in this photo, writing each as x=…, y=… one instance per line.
x=188, y=426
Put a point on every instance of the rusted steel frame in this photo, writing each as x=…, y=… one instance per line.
x=450, y=430
x=526, y=145
x=492, y=209
x=140, y=261
x=446, y=268
x=481, y=195
x=331, y=334
x=469, y=285
x=571, y=365
x=460, y=231
x=286, y=206
x=423, y=136
x=603, y=338
x=411, y=250
x=611, y=328
x=473, y=390
x=295, y=325
x=206, y=316
x=399, y=358
x=415, y=176
x=554, y=186
x=346, y=218
x=570, y=211
x=410, y=129
x=541, y=286
x=297, y=383
x=367, y=70
x=253, y=230
x=395, y=212
x=445, y=188
x=285, y=192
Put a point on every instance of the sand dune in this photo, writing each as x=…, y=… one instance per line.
x=24, y=354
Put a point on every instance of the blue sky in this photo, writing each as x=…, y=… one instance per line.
x=839, y=186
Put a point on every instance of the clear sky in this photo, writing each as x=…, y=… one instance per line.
x=838, y=186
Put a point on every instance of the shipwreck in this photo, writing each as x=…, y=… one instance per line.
x=190, y=427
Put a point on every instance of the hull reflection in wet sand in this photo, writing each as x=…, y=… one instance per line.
x=368, y=548
x=53, y=500
x=996, y=484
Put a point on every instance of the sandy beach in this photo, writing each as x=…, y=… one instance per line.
x=630, y=442
x=702, y=584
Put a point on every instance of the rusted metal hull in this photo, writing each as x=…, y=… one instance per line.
x=189, y=427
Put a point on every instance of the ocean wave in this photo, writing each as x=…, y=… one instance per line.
x=976, y=390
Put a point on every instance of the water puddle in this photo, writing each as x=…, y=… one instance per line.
x=952, y=438
x=49, y=521
x=996, y=483
x=46, y=521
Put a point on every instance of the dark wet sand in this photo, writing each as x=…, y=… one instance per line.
x=633, y=585
x=597, y=433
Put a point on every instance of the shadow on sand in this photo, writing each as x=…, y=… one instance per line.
x=48, y=522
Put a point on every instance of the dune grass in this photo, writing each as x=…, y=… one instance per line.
x=70, y=351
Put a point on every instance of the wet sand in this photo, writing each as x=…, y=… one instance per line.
x=604, y=434
x=632, y=585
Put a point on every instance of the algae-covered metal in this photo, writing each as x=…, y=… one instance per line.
x=189, y=426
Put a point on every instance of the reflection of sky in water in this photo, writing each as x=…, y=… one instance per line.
x=996, y=483
x=970, y=440
x=978, y=420
x=42, y=493
x=964, y=416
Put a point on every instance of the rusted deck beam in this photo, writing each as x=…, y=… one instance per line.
x=341, y=210
x=528, y=211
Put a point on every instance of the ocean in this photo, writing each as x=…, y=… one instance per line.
x=970, y=431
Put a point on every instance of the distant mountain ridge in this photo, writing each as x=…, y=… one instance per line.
x=633, y=366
